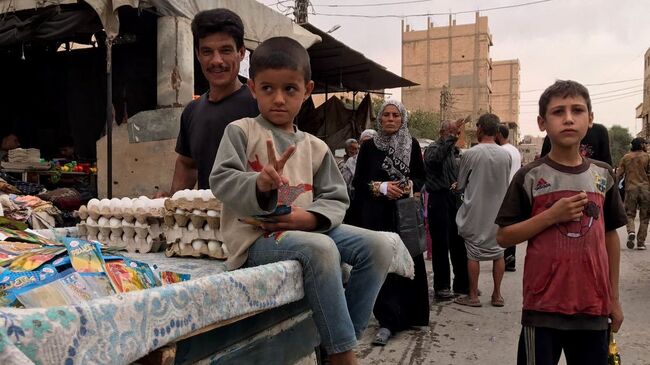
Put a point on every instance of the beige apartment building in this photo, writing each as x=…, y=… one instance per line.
x=643, y=110
x=505, y=95
x=452, y=64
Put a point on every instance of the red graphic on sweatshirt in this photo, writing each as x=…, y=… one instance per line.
x=256, y=165
x=287, y=194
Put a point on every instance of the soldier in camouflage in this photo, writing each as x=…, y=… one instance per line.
x=635, y=168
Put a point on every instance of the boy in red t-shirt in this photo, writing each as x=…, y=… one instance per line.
x=568, y=209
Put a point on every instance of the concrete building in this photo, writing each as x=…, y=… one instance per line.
x=505, y=95
x=643, y=110
x=530, y=147
x=453, y=67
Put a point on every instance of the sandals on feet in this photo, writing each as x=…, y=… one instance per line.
x=465, y=300
x=498, y=302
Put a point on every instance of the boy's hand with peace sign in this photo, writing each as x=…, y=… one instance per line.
x=270, y=178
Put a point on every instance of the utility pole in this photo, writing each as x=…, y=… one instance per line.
x=300, y=11
x=445, y=101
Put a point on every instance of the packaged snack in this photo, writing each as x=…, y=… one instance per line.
x=33, y=259
x=7, y=234
x=123, y=278
x=10, y=250
x=85, y=256
x=144, y=272
x=169, y=277
x=99, y=284
x=11, y=281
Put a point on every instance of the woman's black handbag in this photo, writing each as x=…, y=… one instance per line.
x=409, y=218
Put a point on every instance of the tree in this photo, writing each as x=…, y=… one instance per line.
x=424, y=124
x=619, y=142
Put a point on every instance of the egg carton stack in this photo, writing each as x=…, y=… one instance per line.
x=192, y=220
x=131, y=224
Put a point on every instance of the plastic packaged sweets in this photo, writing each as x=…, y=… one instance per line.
x=32, y=260
x=123, y=278
x=613, y=357
x=10, y=250
x=169, y=277
x=85, y=256
x=7, y=234
x=11, y=281
x=146, y=275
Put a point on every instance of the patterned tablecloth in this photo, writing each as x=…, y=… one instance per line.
x=122, y=328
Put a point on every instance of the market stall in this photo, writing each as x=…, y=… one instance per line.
x=72, y=300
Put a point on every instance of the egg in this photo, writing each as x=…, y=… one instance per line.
x=198, y=244
x=91, y=222
x=104, y=203
x=213, y=245
x=100, y=237
x=212, y=213
x=180, y=211
x=93, y=203
x=140, y=225
x=196, y=212
x=126, y=223
x=206, y=227
x=190, y=226
x=103, y=221
x=115, y=222
x=206, y=195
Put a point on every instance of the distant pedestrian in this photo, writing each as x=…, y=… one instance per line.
x=635, y=167
x=510, y=254
x=483, y=179
x=349, y=165
x=567, y=208
x=441, y=163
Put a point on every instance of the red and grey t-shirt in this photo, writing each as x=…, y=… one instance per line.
x=566, y=271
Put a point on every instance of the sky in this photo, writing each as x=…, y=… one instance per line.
x=590, y=41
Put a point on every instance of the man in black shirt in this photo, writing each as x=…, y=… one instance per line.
x=595, y=145
x=219, y=46
x=441, y=163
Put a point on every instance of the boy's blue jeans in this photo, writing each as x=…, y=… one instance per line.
x=340, y=315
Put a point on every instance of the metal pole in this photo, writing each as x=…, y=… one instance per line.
x=109, y=118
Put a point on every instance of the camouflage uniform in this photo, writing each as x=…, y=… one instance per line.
x=636, y=168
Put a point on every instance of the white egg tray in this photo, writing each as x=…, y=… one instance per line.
x=121, y=234
x=191, y=225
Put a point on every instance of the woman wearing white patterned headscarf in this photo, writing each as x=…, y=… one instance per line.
x=387, y=167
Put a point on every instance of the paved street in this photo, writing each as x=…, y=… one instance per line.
x=488, y=335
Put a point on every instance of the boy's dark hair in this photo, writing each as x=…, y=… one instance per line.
x=212, y=21
x=489, y=124
x=279, y=53
x=563, y=89
x=637, y=144
x=504, y=131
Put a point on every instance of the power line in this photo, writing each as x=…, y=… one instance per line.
x=604, y=95
x=596, y=84
x=369, y=5
x=435, y=14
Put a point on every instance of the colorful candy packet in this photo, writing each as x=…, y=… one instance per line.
x=7, y=234
x=146, y=275
x=123, y=278
x=169, y=277
x=9, y=250
x=33, y=259
x=85, y=256
x=11, y=281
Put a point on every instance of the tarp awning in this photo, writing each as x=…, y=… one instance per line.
x=337, y=67
x=260, y=21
